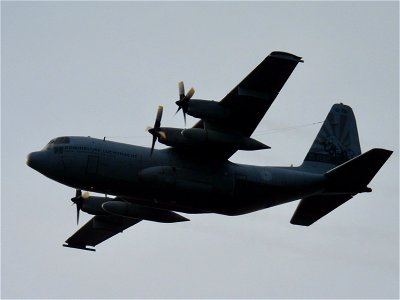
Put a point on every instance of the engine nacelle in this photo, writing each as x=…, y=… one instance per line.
x=207, y=110
x=198, y=135
x=130, y=210
x=173, y=137
x=93, y=205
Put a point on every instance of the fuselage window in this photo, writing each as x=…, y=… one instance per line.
x=58, y=150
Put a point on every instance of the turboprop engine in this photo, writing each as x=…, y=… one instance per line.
x=95, y=205
x=199, y=137
x=89, y=204
x=202, y=109
x=207, y=110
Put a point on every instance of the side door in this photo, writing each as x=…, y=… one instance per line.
x=92, y=165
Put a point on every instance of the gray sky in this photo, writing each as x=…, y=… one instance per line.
x=101, y=69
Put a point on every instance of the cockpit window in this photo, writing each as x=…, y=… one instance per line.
x=57, y=141
x=62, y=140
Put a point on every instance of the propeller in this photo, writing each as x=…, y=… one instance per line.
x=155, y=131
x=183, y=102
x=78, y=201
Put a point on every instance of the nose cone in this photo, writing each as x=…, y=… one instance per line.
x=41, y=162
x=33, y=160
x=47, y=163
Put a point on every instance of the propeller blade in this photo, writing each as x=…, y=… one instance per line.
x=155, y=131
x=78, y=195
x=77, y=214
x=78, y=201
x=157, y=123
x=179, y=108
x=152, y=144
x=181, y=90
x=183, y=102
x=190, y=94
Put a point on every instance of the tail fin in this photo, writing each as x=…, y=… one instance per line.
x=336, y=142
x=343, y=182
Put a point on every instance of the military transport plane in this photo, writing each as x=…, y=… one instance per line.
x=194, y=176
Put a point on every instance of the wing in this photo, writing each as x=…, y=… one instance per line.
x=251, y=98
x=97, y=230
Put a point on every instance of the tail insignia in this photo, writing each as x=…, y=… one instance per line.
x=337, y=141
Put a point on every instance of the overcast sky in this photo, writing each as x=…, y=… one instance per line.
x=102, y=68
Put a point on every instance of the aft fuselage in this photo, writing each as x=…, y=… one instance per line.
x=170, y=179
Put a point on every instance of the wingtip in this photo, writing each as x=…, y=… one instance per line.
x=79, y=247
x=287, y=56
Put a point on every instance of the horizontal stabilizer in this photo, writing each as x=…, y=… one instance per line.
x=354, y=175
x=343, y=182
x=313, y=208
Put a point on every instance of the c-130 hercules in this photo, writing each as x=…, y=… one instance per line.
x=194, y=175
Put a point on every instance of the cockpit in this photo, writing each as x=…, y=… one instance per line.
x=57, y=141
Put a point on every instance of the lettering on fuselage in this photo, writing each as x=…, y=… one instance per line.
x=92, y=150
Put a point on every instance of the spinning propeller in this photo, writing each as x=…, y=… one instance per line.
x=183, y=102
x=155, y=131
x=78, y=200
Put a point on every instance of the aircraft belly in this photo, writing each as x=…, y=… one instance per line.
x=261, y=187
x=227, y=188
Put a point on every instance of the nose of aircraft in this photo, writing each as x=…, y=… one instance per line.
x=32, y=160
x=47, y=163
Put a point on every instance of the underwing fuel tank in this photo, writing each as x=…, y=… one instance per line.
x=130, y=210
x=198, y=135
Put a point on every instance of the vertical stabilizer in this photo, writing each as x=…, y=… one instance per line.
x=336, y=142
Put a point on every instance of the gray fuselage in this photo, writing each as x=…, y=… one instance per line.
x=171, y=179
